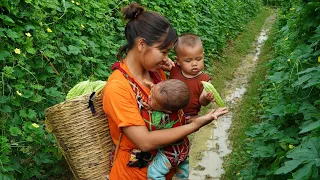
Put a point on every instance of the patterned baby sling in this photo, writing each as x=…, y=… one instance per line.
x=176, y=152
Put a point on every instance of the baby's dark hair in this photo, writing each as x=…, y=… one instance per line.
x=149, y=25
x=187, y=39
x=175, y=94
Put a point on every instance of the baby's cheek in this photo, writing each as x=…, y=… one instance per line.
x=149, y=100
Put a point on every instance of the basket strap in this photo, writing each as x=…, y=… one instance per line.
x=117, y=148
x=90, y=103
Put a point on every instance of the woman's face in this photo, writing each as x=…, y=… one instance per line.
x=154, y=58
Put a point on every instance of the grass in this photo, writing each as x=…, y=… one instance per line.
x=236, y=50
x=222, y=71
x=246, y=116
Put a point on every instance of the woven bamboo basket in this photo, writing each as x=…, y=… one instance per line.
x=83, y=136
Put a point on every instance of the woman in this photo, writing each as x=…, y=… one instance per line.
x=149, y=39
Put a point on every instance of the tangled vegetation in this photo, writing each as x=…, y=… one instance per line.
x=285, y=143
x=48, y=46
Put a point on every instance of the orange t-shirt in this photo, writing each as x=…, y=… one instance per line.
x=120, y=105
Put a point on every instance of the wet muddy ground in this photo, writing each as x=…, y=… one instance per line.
x=210, y=144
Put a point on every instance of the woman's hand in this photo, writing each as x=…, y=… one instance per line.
x=208, y=118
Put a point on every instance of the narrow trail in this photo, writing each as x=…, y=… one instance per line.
x=210, y=165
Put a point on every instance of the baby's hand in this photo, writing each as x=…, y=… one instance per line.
x=210, y=97
x=168, y=65
x=148, y=83
x=190, y=119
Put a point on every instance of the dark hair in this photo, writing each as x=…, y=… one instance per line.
x=149, y=25
x=187, y=39
x=175, y=94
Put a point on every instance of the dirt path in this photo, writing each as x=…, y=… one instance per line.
x=211, y=144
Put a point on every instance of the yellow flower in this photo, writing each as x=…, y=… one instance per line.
x=82, y=26
x=291, y=146
x=35, y=125
x=288, y=60
x=291, y=9
x=49, y=30
x=19, y=93
x=77, y=3
x=17, y=51
x=28, y=34
x=319, y=59
x=286, y=39
x=72, y=1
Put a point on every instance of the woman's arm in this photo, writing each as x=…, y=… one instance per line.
x=150, y=140
x=146, y=140
x=120, y=105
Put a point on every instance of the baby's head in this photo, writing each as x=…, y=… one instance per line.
x=169, y=96
x=189, y=54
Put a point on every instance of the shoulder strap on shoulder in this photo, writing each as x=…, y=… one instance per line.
x=126, y=75
x=156, y=77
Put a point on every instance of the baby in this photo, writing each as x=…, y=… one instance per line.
x=189, y=69
x=166, y=97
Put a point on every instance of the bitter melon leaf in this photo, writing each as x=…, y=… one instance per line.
x=304, y=172
x=289, y=166
x=310, y=127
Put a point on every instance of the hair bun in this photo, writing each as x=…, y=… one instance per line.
x=132, y=11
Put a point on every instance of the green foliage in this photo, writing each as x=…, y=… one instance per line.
x=48, y=46
x=273, y=2
x=285, y=145
x=215, y=21
x=251, y=108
